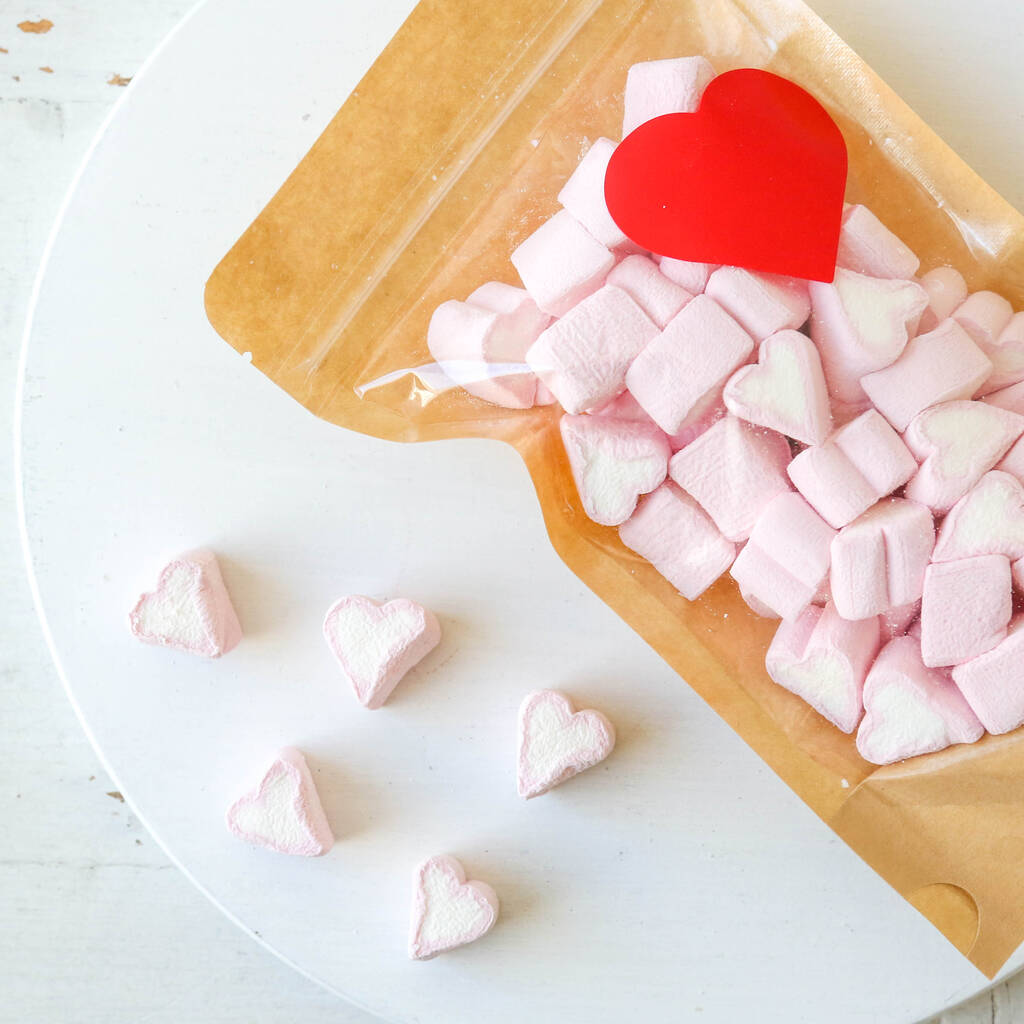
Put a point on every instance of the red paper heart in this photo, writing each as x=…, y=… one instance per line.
x=755, y=178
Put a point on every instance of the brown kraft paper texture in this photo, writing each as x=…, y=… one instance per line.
x=449, y=152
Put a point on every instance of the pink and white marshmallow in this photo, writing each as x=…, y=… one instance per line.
x=786, y=561
x=762, y=304
x=785, y=390
x=687, y=274
x=583, y=357
x=283, y=813
x=940, y=366
x=189, y=610
x=867, y=246
x=879, y=560
x=946, y=289
x=657, y=87
x=861, y=324
x=987, y=520
x=956, y=443
x=993, y=683
x=613, y=462
x=583, y=196
x=377, y=643
x=652, y=291
x=824, y=659
x=481, y=343
x=910, y=709
x=557, y=742
x=447, y=909
x=733, y=470
x=692, y=356
x=561, y=263
x=965, y=608
x=676, y=536
x=859, y=464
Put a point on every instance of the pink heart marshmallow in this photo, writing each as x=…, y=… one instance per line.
x=190, y=610
x=613, y=462
x=557, y=742
x=785, y=390
x=283, y=813
x=447, y=910
x=910, y=709
x=377, y=644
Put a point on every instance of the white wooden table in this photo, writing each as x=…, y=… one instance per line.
x=95, y=924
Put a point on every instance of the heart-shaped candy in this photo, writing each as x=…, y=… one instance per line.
x=861, y=324
x=613, y=462
x=283, y=813
x=956, y=443
x=910, y=709
x=784, y=390
x=824, y=659
x=987, y=520
x=447, y=911
x=754, y=178
x=556, y=742
x=190, y=610
x=376, y=644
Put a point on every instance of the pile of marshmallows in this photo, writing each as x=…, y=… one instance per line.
x=375, y=645
x=851, y=453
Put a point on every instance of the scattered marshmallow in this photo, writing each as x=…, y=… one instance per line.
x=481, y=343
x=447, y=910
x=561, y=263
x=613, y=462
x=657, y=87
x=993, y=683
x=939, y=366
x=987, y=520
x=965, y=608
x=377, y=644
x=283, y=813
x=946, y=289
x=733, y=470
x=1007, y=355
x=861, y=324
x=583, y=195
x=786, y=560
x=190, y=610
x=785, y=390
x=672, y=532
x=860, y=463
x=583, y=357
x=762, y=304
x=694, y=354
x=956, y=443
x=879, y=560
x=691, y=276
x=652, y=291
x=557, y=742
x=824, y=659
x=910, y=709
x=867, y=246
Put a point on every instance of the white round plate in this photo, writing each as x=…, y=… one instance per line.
x=680, y=879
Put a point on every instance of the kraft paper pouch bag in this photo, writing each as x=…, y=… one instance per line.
x=451, y=150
